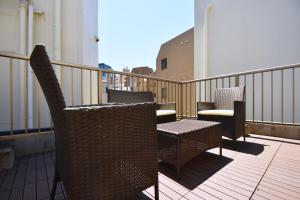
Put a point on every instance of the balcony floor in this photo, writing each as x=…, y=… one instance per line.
x=262, y=168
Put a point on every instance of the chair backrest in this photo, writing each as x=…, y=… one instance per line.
x=117, y=96
x=225, y=97
x=46, y=76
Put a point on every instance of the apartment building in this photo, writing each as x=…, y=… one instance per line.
x=175, y=61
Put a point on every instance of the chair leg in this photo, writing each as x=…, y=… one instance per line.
x=156, y=191
x=54, y=185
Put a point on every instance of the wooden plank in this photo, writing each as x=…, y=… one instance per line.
x=257, y=197
x=281, y=189
x=21, y=174
x=203, y=194
x=30, y=192
x=169, y=192
x=226, y=189
x=4, y=194
x=215, y=192
x=277, y=193
x=42, y=189
x=172, y=184
x=191, y=196
x=9, y=178
x=16, y=193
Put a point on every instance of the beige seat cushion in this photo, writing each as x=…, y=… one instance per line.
x=216, y=112
x=165, y=112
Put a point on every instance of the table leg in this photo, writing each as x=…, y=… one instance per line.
x=178, y=160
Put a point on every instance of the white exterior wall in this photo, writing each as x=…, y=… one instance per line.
x=78, y=30
x=236, y=36
x=246, y=35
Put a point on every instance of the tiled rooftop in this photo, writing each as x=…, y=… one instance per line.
x=262, y=168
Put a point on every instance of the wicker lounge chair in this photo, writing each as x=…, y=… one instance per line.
x=166, y=112
x=229, y=107
x=96, y=149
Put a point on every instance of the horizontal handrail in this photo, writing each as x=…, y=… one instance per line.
x=268, y=69
x=86, y=67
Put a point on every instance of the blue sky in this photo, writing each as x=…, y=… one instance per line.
x=132, y=31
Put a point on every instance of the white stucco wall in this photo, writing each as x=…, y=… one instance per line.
x=236, y=36
x=79, y=27
x=246, y=35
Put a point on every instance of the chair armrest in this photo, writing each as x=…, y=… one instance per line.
x=166, y=106
x=205, y=106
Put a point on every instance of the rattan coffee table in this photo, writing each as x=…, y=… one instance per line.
x=181, y=141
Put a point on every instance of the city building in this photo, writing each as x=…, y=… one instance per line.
x=175, y=61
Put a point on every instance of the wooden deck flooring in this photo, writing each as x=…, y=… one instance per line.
x=262, y=168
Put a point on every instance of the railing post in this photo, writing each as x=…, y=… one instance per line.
x=237, y=81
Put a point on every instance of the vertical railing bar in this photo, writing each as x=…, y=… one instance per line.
x=293, y=87
x=190, y=99
x=81, y=85
x=121, y=80
x=62, y=77
x=38, y=105
x=181, y=99
x=143, y=84
x=127, y=82
x=138, y=84
x=282, y=99
x=11, y=98
x=147, y=84
x=98, y=85
x=161, y=97
x=186, y=100
x=272, y=95
x=253, y=100
x=157, y=91
x=72, y=86
x=107, y=80
x=222, y=82
x=229, y=81
x=216, y=83
x=26, y=97
x=210, y=91
x=245, y=86
x=91, y=88
x=262, y=97
x=114, y=75
x=195, y=103
x=205, y=91
x=169, y=92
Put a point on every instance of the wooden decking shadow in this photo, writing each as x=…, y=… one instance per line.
x=244, y=147
x=197, y=170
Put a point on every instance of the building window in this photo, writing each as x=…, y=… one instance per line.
x=164, y=64
x=164, y=93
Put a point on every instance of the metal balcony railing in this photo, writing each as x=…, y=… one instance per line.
x=272, y=94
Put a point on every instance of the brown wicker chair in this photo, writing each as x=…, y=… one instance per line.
x=166, y=112
x=229, y=108
x=102, y=151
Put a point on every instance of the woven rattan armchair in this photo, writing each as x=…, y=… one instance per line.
x=102, y=151
x=165, y=112
x=229, y=107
